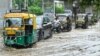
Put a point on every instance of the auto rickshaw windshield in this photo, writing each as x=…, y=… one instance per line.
x=13, y=22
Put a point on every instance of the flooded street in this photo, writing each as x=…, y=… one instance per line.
x=78, y=42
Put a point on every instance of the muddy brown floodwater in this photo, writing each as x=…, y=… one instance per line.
x=78, y=42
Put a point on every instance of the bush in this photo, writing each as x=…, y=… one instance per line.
x=35, y=10
x=59, y=9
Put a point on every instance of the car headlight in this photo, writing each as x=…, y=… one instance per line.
x=39, y=27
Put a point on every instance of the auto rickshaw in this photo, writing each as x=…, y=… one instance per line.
x=19, y=29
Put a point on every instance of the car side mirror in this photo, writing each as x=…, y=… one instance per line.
x=45, y=23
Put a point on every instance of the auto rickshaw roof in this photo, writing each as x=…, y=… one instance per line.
x=19, y=15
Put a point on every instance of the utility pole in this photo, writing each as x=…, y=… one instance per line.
x=75, y=10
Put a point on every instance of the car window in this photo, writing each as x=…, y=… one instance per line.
x=68, y=11
x=39, y=20
x=46, y=20
x=61, y=18
x=81, y=17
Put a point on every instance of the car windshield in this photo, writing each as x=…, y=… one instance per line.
x=13, y=22
x=39, y=20
x=67, y=11
x=81, y=17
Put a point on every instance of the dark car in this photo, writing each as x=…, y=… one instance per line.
x=44, y=26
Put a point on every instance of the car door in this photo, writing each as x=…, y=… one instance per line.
x=46, y=27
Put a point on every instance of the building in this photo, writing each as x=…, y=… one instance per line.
x=5, y=5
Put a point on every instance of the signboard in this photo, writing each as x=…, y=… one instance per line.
x=49, y=8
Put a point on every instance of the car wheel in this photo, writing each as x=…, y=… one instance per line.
x=51, y=33
x=85, y=26
x=76, y=26
x=69, y=28
x=41, y=34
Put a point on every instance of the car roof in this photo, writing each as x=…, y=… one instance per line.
x=65, y=14
x=81, y=14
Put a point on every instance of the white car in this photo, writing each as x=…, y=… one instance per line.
x=81, y=21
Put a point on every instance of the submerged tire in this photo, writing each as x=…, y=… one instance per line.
x=69, y=29
x=76, y=26
x=85, y=26
x=40, y=35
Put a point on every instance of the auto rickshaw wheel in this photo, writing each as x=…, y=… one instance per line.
x=31, y=45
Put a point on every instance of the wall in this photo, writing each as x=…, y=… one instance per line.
x=4, y=6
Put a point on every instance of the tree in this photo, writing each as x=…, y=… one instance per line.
x=35, y=7
x=18, y=3
x=85, y=3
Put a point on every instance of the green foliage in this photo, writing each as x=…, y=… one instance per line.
x=35, y=7
x=97, y=3
x=20, y=3
x=59, y=9
x=86, y=3
x=35, y=10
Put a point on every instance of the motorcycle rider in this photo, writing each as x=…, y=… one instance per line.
x=56, y=24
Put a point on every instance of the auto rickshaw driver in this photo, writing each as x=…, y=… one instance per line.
x=9, y=22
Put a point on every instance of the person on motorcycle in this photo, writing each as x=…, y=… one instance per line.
x=56, y=24
x=68, y=27
x=66, y=23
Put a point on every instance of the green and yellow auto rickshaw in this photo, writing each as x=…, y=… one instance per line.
x=19, y=29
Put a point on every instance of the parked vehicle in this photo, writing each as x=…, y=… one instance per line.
x=82, y=21
x=44, y=27
x=19, y=29
x=66, y=22
x=90, y=18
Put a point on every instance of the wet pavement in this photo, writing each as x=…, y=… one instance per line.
x=78, y=42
